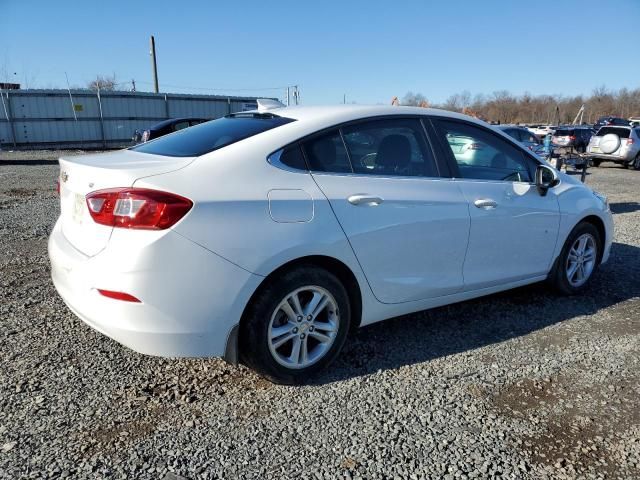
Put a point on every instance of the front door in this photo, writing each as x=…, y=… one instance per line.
x=408, y=227
x=514, y=229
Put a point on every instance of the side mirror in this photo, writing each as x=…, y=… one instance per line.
x=546, y=178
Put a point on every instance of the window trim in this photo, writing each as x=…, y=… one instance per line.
x=450, y=158
x=442, y=168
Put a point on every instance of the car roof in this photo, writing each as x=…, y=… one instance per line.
x=337, y=114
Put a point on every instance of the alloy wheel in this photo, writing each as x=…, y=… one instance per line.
x=303, y=327
x=581, y=260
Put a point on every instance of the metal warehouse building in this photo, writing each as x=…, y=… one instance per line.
x=86, y=119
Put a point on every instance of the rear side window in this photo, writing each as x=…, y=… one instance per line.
x=394, y=147
x=621, y=132
x=291, y=156
x=210, y=136
x=326, y=153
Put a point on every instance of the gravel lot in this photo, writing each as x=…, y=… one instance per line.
x=523, y=384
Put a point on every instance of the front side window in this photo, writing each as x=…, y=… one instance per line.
x=482, y=155
x=394, y=147
x=326, y=153
x=210, y=136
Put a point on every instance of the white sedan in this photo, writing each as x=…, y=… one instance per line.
x=266, y=236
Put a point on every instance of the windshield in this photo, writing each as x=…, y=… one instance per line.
x=210, y=136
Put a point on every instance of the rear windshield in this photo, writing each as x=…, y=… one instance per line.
x=210, y=136
x=621, y=132
x=564, y=132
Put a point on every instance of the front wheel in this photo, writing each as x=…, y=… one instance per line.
x=578, y=260
x=296, y=325
x=636, y=162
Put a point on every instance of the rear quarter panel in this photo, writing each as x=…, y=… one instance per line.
x=231, y=217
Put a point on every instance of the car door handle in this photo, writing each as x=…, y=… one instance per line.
x=368, y=200
x=485, y=203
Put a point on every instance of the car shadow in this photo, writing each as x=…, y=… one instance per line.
x=465, y=326
x=624, y=207
x=28, y=163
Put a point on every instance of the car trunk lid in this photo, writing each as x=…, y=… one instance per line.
x=87, y=173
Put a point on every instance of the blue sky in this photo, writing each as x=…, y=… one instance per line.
x=368, y=50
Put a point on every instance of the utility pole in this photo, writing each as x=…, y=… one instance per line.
x=344, y=98
x=154, y=65
x=133, y=85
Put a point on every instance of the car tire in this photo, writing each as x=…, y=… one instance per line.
x=636, y=162
x=274, y=317
x=565, y=276
x=596, y=163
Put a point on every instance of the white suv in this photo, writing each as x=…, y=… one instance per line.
x=616, y=144
x=267, y=236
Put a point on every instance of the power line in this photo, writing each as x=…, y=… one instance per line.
x=216, y=89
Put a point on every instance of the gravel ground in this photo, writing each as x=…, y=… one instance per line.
x=523, y=384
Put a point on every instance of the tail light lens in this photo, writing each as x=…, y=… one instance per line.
x=572, y=138
x=145, y=136
x=629, y=141
x=137, y=208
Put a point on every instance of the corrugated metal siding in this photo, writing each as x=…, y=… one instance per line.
x=46, y=117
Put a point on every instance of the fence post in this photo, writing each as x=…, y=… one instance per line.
x=166, y=106
x=12, y=125
x=104, y=140
x=9, y=115
x=228, y=106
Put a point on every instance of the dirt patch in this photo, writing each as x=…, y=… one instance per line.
x=21, y=192
x=579, y=423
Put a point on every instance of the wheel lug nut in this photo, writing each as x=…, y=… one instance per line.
x=309, y=317
x=311, y=328
x=295, y=329
x=302, y=336
x=299, y=318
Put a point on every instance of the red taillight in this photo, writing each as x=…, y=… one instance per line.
x=629, y=141
x=125, y=297
x=139, y=208
x=58, y=186
x=572, y=138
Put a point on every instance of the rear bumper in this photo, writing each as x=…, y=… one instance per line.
x=612, y=158
x=190, y=297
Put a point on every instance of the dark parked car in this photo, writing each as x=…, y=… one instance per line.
x=572, y=136
x=165, y=127
x=610, y=120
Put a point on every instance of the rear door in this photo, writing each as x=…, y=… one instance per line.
x=513, y=228
x=407, y=225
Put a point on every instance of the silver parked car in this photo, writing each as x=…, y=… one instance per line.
x=525, y=137
x=616, y=144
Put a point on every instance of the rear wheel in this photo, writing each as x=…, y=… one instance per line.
x=636, y=162
x=596, y=163
x=578, y=260
x=296, y=325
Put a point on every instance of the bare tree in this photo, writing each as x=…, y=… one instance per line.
x=501, y=106
x=414, y=99
x=103, y=83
